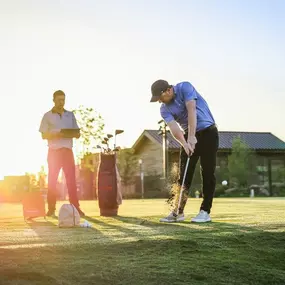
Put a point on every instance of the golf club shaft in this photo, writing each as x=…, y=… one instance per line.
x=183, y=181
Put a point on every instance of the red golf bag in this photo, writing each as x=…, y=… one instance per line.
x=33, y=205
x=109, y=185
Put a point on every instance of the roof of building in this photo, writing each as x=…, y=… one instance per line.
x=254, y=140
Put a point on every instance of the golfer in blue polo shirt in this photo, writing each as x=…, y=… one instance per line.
x=192, y=124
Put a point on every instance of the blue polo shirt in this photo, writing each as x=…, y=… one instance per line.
x=176, y=109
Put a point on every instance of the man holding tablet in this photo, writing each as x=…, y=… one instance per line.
x=59, y=127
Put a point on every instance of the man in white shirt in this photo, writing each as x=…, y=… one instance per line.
x=60, y=154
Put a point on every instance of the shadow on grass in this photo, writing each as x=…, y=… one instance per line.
x=211, y=226
x=109, y=226
x=180, y=253
x=146, y=229
x=27, y=277
x=253, y=258
x=50, y=233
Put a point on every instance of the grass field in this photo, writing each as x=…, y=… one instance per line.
x=245, y=244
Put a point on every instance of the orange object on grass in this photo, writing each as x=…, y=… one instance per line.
x=33, y=205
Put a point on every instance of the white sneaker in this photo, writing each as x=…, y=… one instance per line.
x=172, y=218
x=202, y=217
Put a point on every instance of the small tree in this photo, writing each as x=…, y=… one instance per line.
x=91, y=126
x=239, y=163
x=127, y=163
x=281, y=174
x=33, y=182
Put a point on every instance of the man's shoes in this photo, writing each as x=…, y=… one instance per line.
x=51, y=213
x=172, y=218
x=202, y=217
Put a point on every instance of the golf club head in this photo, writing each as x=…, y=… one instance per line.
x=104, y=148
x=117, y=132
x=106, y=141
x=109, y=136
x=99, y=147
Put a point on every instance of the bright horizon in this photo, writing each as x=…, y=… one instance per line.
x=106, y=54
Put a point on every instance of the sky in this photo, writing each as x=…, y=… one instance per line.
x=106, y=54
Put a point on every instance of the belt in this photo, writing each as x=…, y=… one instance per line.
x=214, y=126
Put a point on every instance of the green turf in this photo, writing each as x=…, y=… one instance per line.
x=245, y=244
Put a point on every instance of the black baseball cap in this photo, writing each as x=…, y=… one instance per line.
x=157, y=88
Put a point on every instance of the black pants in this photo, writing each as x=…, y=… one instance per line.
x=205, y=149
x=57, y=159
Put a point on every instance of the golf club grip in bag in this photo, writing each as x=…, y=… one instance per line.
x=109, y=196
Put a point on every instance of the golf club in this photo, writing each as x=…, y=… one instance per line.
x=107, y=141
x=109, y=136
x=99, y=147
x=105, y=149
x=181, y=189
x=117, y=132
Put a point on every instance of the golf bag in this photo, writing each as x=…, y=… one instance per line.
x=33, y=205
x=109, y=185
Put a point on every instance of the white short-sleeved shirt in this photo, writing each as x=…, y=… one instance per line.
x=54, y=122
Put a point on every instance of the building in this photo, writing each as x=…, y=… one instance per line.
x=269, y=152
x=13, y=188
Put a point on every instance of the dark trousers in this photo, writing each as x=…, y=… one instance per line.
x=57, y=159
x=205, y=149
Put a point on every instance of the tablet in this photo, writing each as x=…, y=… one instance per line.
x=69, y=131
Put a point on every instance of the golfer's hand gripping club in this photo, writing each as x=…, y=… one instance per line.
x=188, y=148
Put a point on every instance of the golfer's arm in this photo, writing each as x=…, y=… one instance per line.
x=192, y=117
x=176, y=132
